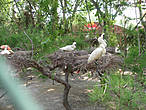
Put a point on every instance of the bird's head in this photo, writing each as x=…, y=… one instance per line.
x=5, y=47
x=74, y=43
x=100, y=39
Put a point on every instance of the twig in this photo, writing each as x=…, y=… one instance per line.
x=31, y=43
x=18, y=8
x=138, y=32
x=139, y=21
x=105, y=89
x=89, y=14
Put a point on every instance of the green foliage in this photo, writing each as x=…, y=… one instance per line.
x=112, y=41
x=119, y=92
x=19, y=39
x=135, y=62
x=80, y=19
x=42, y=42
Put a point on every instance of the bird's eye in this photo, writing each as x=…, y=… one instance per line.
x=103, y=36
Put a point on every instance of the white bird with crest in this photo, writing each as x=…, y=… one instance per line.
x=101, y=40
x=99, y=51
x=69, y=47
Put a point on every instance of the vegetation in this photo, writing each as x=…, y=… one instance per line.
x=46, y=25
x=119, y=91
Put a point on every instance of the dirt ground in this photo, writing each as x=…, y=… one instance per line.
x=50, y=96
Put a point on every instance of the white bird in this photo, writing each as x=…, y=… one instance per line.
x=5, y=49
x=99, y=51
x=117, y=50
x=87, y=36
x=100, y=39
x=69, y=47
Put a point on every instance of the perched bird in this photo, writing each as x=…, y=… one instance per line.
x=69, y=47
x=99, y=51
x=117, y=50
x=5, y=49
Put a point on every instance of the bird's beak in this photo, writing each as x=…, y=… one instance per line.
x=11, y=51
x=103, y=36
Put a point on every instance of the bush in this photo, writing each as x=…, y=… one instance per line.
x=120, y=93
x=43, y=43
x=135, y=62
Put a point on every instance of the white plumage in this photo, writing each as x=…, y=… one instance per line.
x=87, y=36
x=5, y=50
x=117, y=50
x=69, y=47
x=99, y=51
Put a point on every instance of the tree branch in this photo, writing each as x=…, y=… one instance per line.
x=139, y=21
x=30, y=41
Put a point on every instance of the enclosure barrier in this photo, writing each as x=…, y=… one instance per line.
x=19, y=96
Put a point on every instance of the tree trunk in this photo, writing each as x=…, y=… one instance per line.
x=66, y=92
x=31, y=13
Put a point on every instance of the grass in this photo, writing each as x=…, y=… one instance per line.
x=43, y=43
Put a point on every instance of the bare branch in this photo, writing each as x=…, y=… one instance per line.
x=30, y=41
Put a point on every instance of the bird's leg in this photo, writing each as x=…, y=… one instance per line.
x=96, y=63
x=99, y=74
x=53, y=83
x=52, y=77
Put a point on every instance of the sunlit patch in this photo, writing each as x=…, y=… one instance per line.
x=27, y=83
x=31, y=76
x=29, y=68
x=120, y=71
x=85, y=78
x=88, y=90
x=50, y=90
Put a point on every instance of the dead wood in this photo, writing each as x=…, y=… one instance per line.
x=22, y=60
x=66, y=92
x=69, y=62
x=108, y=49
x=92, y=41
x=77, y=60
